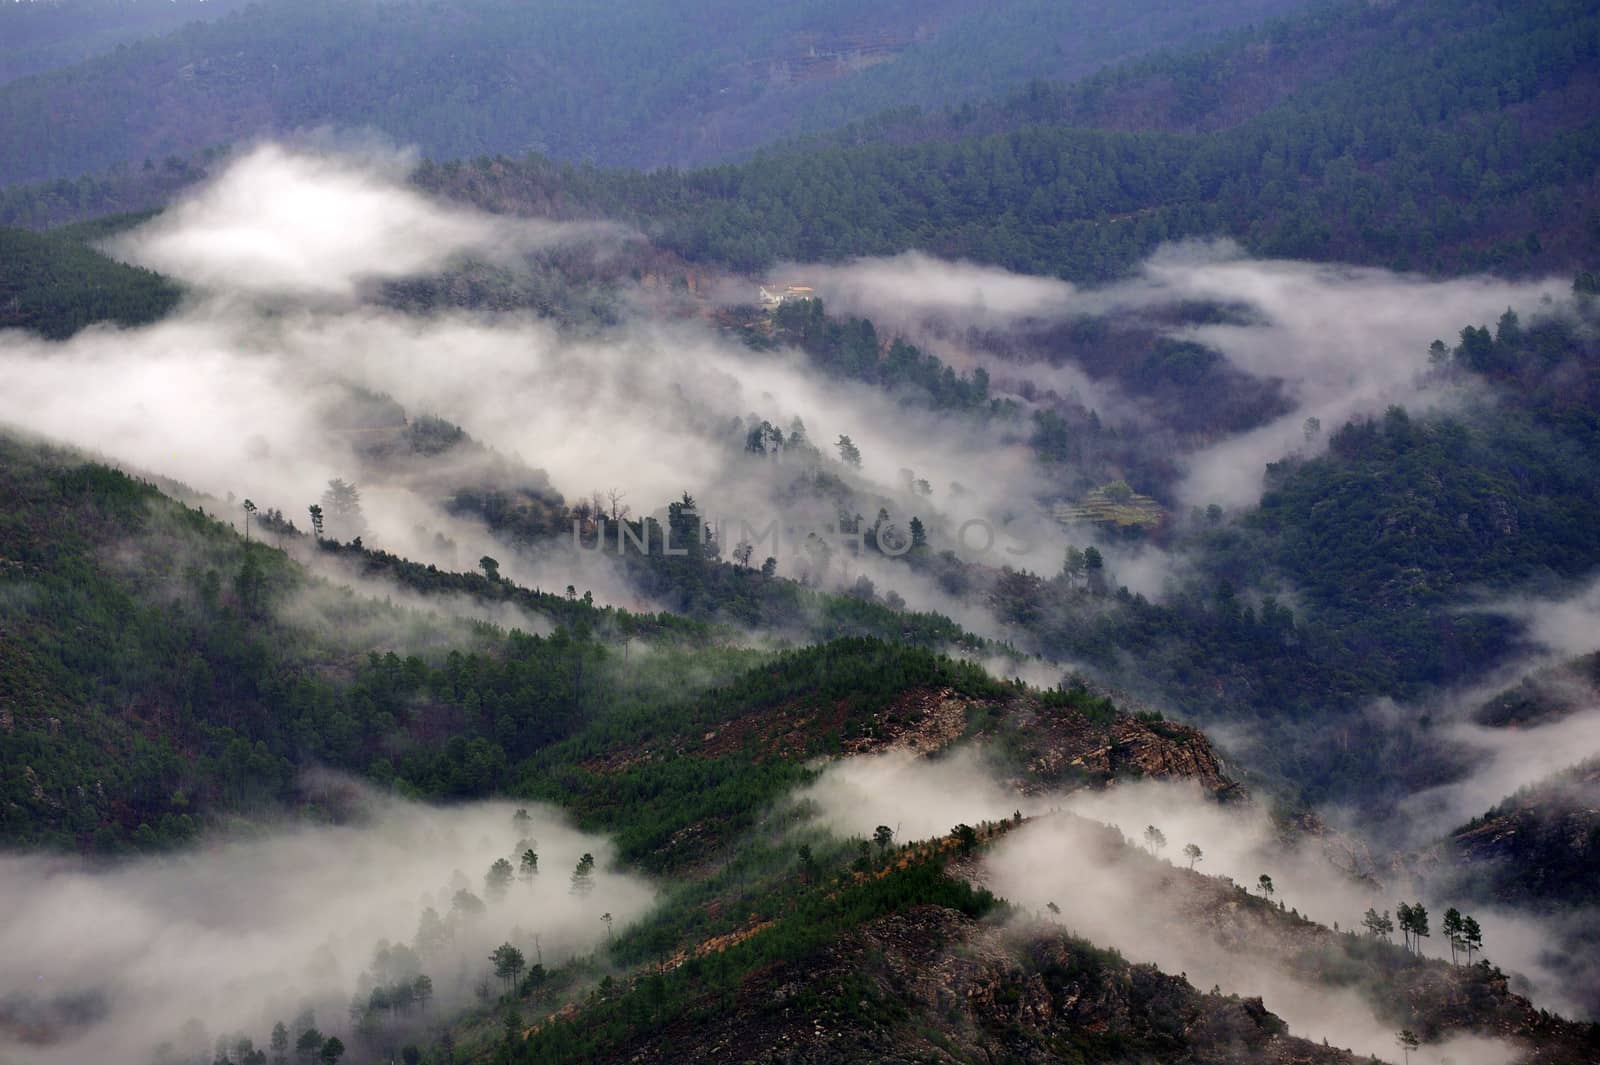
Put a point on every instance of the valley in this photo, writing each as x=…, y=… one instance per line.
x=803, y=535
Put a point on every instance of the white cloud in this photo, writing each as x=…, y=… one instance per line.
x=240, y=934
x=1345, y=340
x=1053, y=862
x=302, y=223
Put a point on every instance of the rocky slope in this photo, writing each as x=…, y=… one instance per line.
x=1541, y=846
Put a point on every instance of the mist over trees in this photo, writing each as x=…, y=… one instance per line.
x=508, y=608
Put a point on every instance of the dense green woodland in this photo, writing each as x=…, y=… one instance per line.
x=851, y=349
x=54, y=285
x=152, y=693
x=1345, y=584
x=699, y=990
x=1368, y=541
x=128, y=191
x=1191, y=390
x=840, y=962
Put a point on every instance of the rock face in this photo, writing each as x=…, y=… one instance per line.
x=1065, y=745
x=1056, y=744
x=929, y=984
x=1166, y=750
x=922, y=720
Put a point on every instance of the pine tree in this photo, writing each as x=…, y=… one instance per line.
x=1414, y=924
x=1072, y=565
x=279, y=1044
x=1378, y=926
x=508, y=964
x=498, y=880
x=1094, y=566
x=1471, y=937
x=1450, y=925
x=583, y=875
x=342, y=504
x=1154, y=839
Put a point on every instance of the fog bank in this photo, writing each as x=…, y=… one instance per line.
x=1053, y=860
x=1346, y=341
x=108, y=962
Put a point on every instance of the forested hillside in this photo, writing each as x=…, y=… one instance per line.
x=1541, y=845
x=162, y=671
x=1412, y=154
x=55, y=284
x=1409, y=151
x=930, y=531
x=1376, y=544
x=40, y=35
x=637, y=83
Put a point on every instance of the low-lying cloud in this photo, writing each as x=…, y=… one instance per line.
x=917, y=797
x=1567, y=626
x=1145, y=911
x=1503, y=760
x=905, y=287
x=243, y=396
x=308, y=223
x=1347, y=341
x=1332, y=881
x=1500, y=758
x=1344, y=340
x=106, y=963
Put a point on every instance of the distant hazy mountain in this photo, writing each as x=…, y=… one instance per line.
x=1388, y=136
x=640, y=82
x=40, y=35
